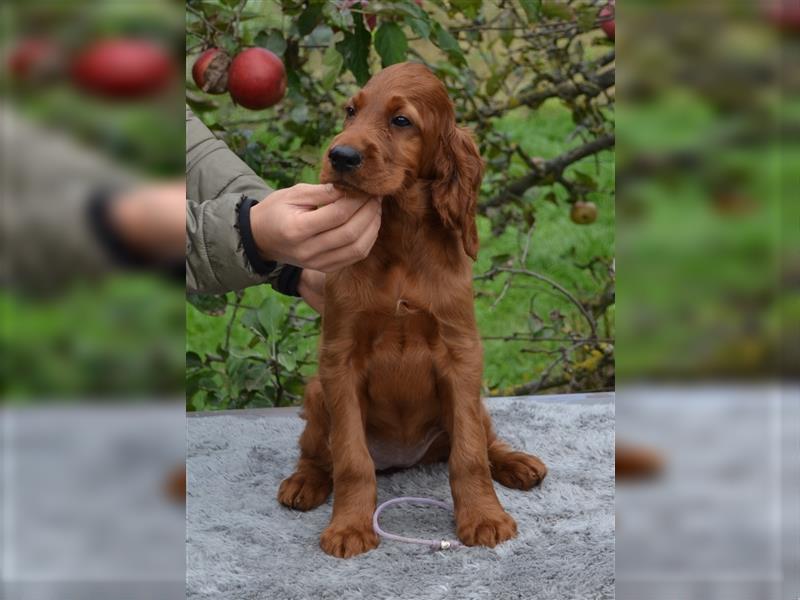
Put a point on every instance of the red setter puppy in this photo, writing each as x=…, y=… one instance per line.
x=400, y=357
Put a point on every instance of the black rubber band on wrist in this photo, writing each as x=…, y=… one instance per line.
x=288, y=280
x=100, y=222
x=120, y=253
x=260, y=266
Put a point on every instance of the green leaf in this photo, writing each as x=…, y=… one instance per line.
x=200, y=379
x=290, y=8
x=270, y=314
x=354, y=48
x=250, y=320
x=245, y=374
x=211, y=304
x=248, y=15
x=299, y=114
x=391, y=44
x=198, y=403
x=308, y=175
x=391, y=9
x=234, y=364
x=272, y=40
x=228, y=43
x=585, y=181
x=295, y=81
x=332, y=63
x=309, y=19
x=212, y=10
x=323, y=36
x=339, y=17
x=420, y=26
x=264, y=137
x=287, y=360
x=199, y=104
x=507, y=37
x=253, y=377
x=587, y=18
x=506, y=21
x=469, y=7
x=445, y=40
x=532, y=8
x=529, y=214
x=193, y=359
x=260, y=400
x=554, y=9
x=493, y=84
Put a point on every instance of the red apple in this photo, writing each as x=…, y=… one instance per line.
x=583, y=213
x=123, y=69
x=784, y=14
x=607, y=19
x=210, y=71
x=34, y=59
x=256, y=79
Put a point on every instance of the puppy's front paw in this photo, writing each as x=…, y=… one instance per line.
x=347, y=539
x=486, y=529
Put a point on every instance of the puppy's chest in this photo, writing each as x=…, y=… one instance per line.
x=400, y=310
x=398, y=334
x=393, y=291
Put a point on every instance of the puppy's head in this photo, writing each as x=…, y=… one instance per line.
x=400, y=128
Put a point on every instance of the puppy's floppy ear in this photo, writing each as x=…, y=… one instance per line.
x=459, y=170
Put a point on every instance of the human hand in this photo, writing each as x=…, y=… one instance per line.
x=312, y=289
x=315, y=226
x=151, y=219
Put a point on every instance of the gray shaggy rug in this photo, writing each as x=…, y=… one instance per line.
x=242, y=544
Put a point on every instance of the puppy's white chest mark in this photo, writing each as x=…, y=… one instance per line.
x=403, y=307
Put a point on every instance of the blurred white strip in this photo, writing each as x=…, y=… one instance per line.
x=83, y=494
x=715, y=521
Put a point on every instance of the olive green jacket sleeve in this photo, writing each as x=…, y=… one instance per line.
x=216, y=182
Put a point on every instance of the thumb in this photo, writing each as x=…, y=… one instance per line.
x=320, y=195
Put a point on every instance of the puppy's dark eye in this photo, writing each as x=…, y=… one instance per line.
x=401, y=121
x=350, y=111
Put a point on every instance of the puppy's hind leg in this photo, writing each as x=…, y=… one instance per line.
x=513, y=469
x=311, y=483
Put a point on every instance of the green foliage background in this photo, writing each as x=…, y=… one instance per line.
x=512, y=69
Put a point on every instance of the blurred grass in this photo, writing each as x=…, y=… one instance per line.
x=699, y=279
x=117, y=337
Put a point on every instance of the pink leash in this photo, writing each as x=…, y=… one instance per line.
x=437, y=545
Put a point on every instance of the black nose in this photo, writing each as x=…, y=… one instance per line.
x=344, y=158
